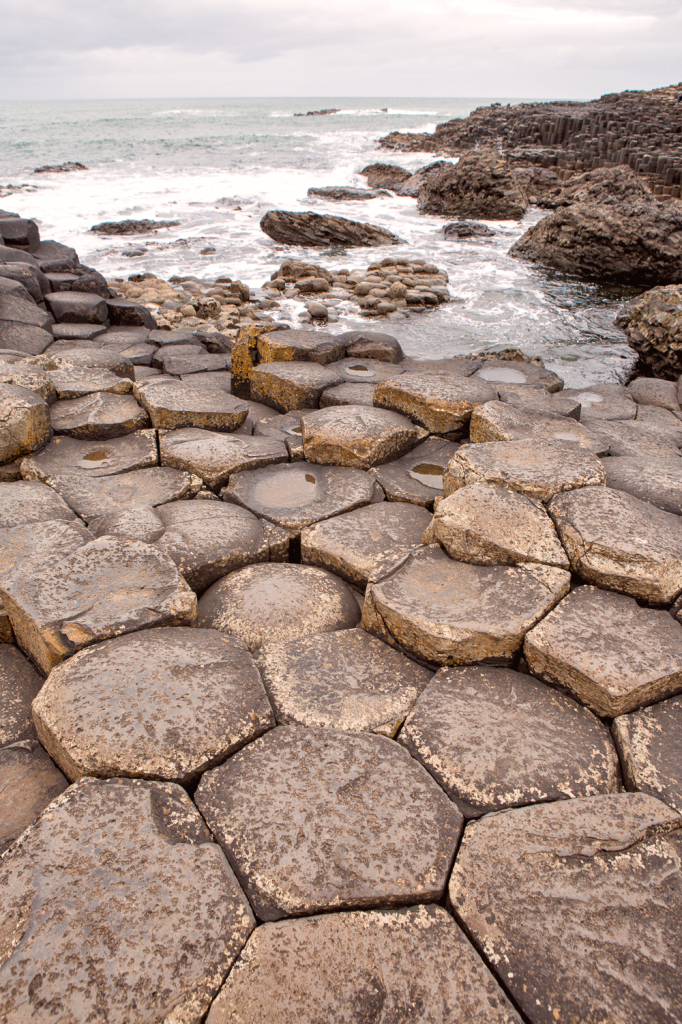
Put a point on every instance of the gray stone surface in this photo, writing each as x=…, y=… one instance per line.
x=117, y=906
x=76, y=307
x=657, y=481
x=502, y=371
x=292, y=385
x=493, y=739
x=319, y=819
x=632, y=437
x=650, y=746
x=368, y=371
x=536, y=399
x=500, y=421
x=441, y=402
x=607, y=651
x=314, y=346
x=19, y=684
x=490, y=525
x=104, y=589
x=273, y=602
x=198, y=361
x=32, y=546
x=77, y=381
x=658, y=393
x=417, y=477
x=29, y=781
x=24, y=422
x=371, y=345
x=159, y=704
x=537, y=468
x=344, y=680
x=348, y=394
x=452, y=613
x=353, y=435
x=174, y=403
x=100, y=416
x=604, y=402
x=577, y=905
x=67, y=457
x=28, y=501
x=94, y=497
x=102, y=358
x=214, y=457
x=355, y=544
x=30, y=377
x=412, y=964
x=621, y=543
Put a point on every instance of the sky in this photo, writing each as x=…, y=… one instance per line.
x=105, y=49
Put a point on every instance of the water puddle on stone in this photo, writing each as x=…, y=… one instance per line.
x=286, y=490
x=589, y=398
x=502, y=375
x=294, y=430
x=429, y=474
x=94, y=460
x=565, y=436
x=360, y=371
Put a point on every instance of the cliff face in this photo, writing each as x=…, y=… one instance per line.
x=642, y=130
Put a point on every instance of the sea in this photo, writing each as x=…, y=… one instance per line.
x=217, y=165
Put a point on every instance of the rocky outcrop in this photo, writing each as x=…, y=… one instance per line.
x=384, y=175
x=480, y=185
x=608, y=185
x=132, y=227
x=70, y=165
x=342, y=193
x=653, y=325
x=321, y=229
x=319, y=113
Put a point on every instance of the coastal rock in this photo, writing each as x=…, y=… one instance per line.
x=370, y=371
x=160, y=704
x=650, y=750
x=313, y=346
x=76, y=307
x=17, y=231
x=333, y=965
x=352, y=435
x=132, y=227
x=291, y=385
x=214, y=457
x=174, y=403
x=537, y=400
x=274, y=602
x=105, y=859
x=604, y=402
x=77, y=381
x=518, y=371
x=480, y=185
x=466, y=229
x=29, y=781
x=322, y=229
x=99, y=415
x=442, y=402
x=131, y=314
x=24, y=422
x=500, y=421
x=31, y=378
x=66, y=456
x=495, y=739
x=32, y=546
x=23, y=501
x=661, y=394
x=384, y=175
x=451, y=613
x=653, y=325
x=657, y=481
x=368, y=824
x=93, y=497
x=607, y=651
x=371, y=345
x=19, y=684
x=24, y=337
x=348, y=394
x=577, y=905
x=417, y=477
x=343, y=194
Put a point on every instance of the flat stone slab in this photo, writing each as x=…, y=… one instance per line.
x=327, y=966
x=656, y=419
x=19, y=684
x=295, y=496
x=657, y=481
x=451, y=613
x=274, y=602
x=537, y=468
x=489, y=525
x=417, y=478
x=28, y=501
x=30, y=377
x=159, y=704
x=76, y=381
x=649, y=742
x=356, y=544
x=76, y=307
x=24, y=422
x=494, y=739
x=105, y=860
x=348, y=394
x=214, y=457
x=35, y=545
x=94, y=497
x=286, y=346
x=345, y=680
x=197, y=361
x=604, y=402
x=661, y=394
x=175, y=403
x=293, y=385
x=537, y=400
x=633, y=437
x=502, y=371
x=101, y=358
x=29, y=781
x=66, y=457
x=607, y=651
x=621, y=543
x=99, y=416
x=104, y=589
x=441, y=402
x=319, y=819
x=499, y=421
x=353, y=435
x=368, y=371
x=577, y=904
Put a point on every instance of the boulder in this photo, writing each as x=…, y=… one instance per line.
x=102, y=862
x=656, y=481
x=132, y=227
x=307, y=228
x=384, y=175
x=650, y=748
x=371, y=345
x=76, y=307
x=344, y=194
x=653, y=325
x=607, y=651
x=417, y=477
x=367, y=823
x=495, y=739
x=214, y=457
x=173, y=403
x=99, y=415
x=273, y=602
x=412, y=186
x=24, y=422
x=458, y=229
x=353, y=435
x=442, y=402
x=29, y=781
x=16, y=231
x=291, y=385
x=123, y=313
x=481, y=184
x=19, y=684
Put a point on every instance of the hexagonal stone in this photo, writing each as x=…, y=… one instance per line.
x=502, y=371
x=126, y=904
x=345, y=680
x=493, y=739
x=621, y=543
x=295, y=385
x=353, y=435
x=29, y=781
x=348, y=394
x=356, y=544
x=604, y=402
x=76, y=307
x=197, y=361
x=99, y=416
x=29, y=377
x=337, y=967
x=452, y=613
x=315, y=346
x=24, y=422
x=657, y=481
x=650, y=746
x=490, y=525
x=24, y=312
x=441, y=402
x=24, y=501
x=499, y=421
x=67, y=456
x=296, y=495
x=175, y=403
x=368, y=371
x=38, y=544
x=214, y=457
x=94, y=497
x=636, y=438
x=77, y=381
x=371, y=345
x=457, y=366
x=658, y=393
x=607, y=651
x=417, y=477
x=319, y=819
x=19, y=684
x=656, y=419
x=538, y=468
x=272, y=602
x=536, y=399
x=577, y=904
x=103, y=589
x=114, y=362
x=159, y=704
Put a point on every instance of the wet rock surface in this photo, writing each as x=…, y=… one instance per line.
x=417, y=477
x=65, y=456
x=29, y=781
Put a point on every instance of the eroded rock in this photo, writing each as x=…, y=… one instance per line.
x=174, y=403
x=291, y=385
x=417, y=477
x=24, y=422
x=29, y=781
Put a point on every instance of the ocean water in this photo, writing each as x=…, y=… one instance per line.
x=217, y=165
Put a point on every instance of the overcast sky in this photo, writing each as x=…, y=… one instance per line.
x=58, y=49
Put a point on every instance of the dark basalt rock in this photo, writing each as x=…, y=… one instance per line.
x=653, y=325
x=384, y=175
x=417, y=477
x=322, y=229
x=480, y=185
x=650, y=746
x=29, y=781
x=342, y=193
x=132, y=227
x=466, y=229
x=19, y=684
x=100, y=415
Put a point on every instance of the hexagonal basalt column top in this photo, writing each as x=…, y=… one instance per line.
x=353, y=435
x=291, y=385
x=441, y=402
x=317, y=819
